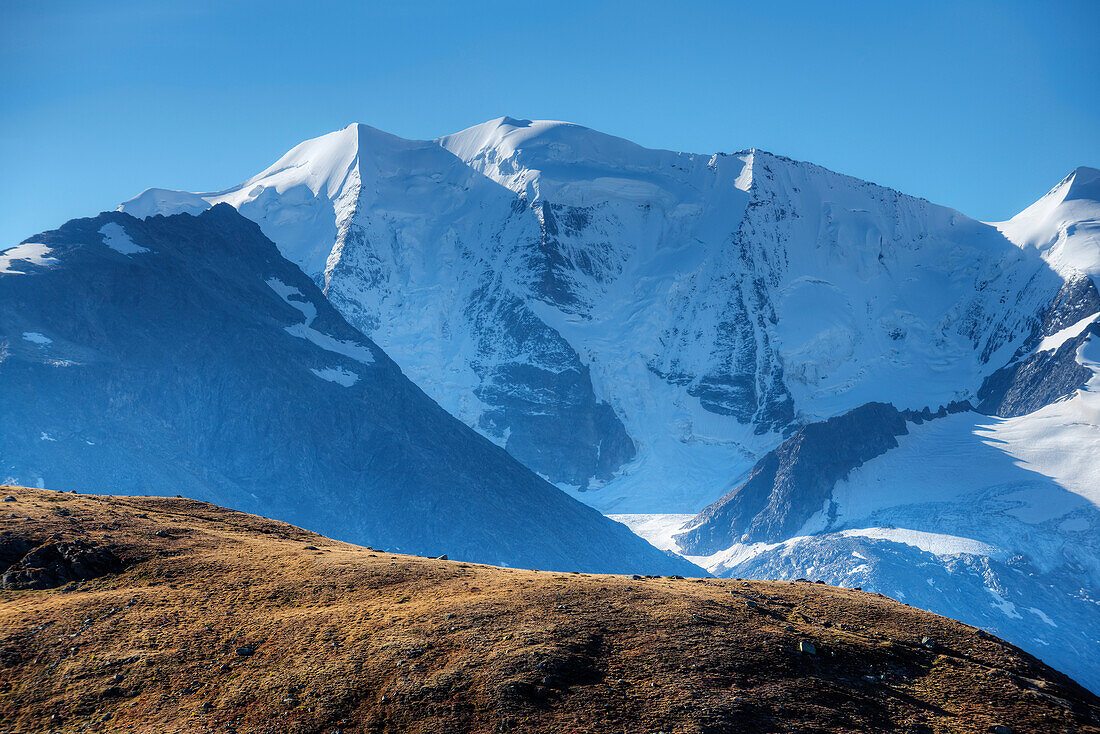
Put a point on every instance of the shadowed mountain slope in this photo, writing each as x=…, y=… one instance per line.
x=183, y=354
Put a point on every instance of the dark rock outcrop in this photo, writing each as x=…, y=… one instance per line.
x=792, y=482
x=56, y=564
x=1037, y=381
x=1076, y=299
x=541, y=405
x=12, y=548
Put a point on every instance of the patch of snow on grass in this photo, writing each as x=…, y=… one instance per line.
x=339, y=375
x=30, y=252
x=116, y=237
x=1042, y=615
x=1007, y=608
x=354, y=350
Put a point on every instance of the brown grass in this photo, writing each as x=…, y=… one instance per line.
x=354, y=640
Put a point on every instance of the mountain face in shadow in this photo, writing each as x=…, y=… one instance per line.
x=185, y=355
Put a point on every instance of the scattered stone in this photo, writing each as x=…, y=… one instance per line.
x=928, y=642
x=9, y=498
x=161, y=533
x=636, y=577
x=444, y=558
x=751, y=604
x=246, y=650
x=1000, y=729
x=807, y=648
x=311, y=547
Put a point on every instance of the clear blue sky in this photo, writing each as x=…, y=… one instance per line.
x=979, y=105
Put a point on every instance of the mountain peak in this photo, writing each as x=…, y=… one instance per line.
x=1063, y=224
x=503, y=136
x=1083, y=183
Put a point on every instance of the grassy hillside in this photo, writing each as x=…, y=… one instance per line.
x=175, y=615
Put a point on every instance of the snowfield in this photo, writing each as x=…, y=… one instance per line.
x=28, y=252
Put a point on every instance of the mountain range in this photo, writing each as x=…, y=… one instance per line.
x=767, y=367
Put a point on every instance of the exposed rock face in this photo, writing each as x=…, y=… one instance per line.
x=1039, y=376
x=1039, y=380
x=1077, y=299
x=12, y=548
x=541, y=406
x=790, y=483
x=55, y=564
x=183, y=354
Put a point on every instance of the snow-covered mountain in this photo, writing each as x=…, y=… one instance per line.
x=639, y=324
x=845, y=382
x=184, y=355
x=989, y=515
